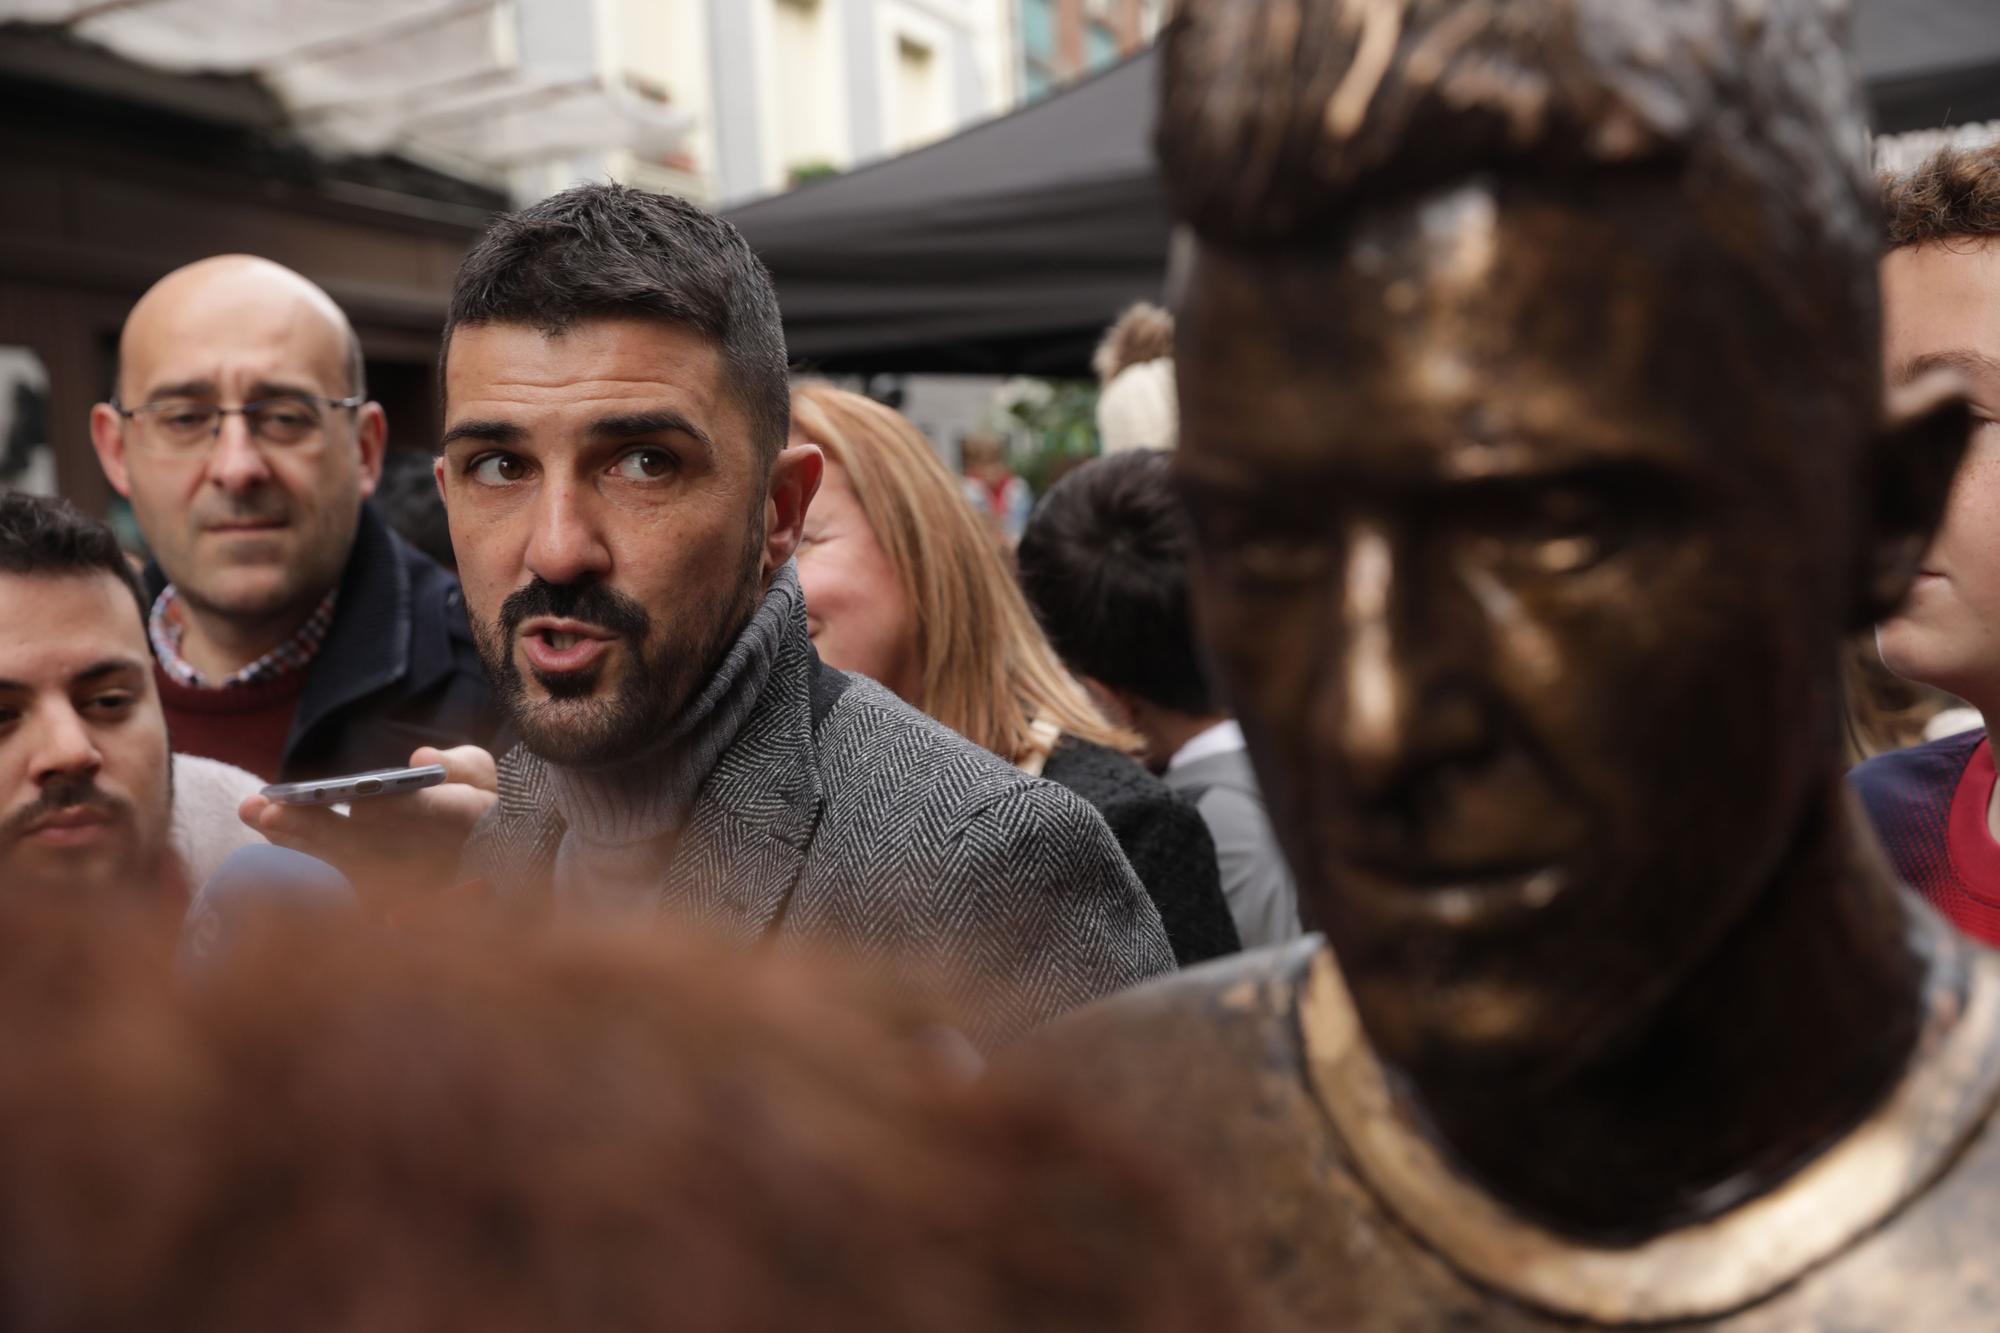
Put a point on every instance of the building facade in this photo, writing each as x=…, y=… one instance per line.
x=1063, y=40
x=780, y=91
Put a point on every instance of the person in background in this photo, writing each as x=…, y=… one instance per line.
x=902, y=585
x=993, y=488
x=1886, y=712
x=1136, y=408
x=296, y=635
x=1934, y=806
x=339, y=1131
x=93, y=806
x=407, y=498
x=1104, y=563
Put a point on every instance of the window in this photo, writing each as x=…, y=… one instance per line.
x=1038, y=28
x=1100, y=44
x=1040, y=47
x=920, y=106
x=808, y=105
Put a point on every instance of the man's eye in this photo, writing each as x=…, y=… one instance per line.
x=1559, y=532
x=111, y=705
x=1567, y=555
x=646, y=465
x=187, y=420
x=496, y=470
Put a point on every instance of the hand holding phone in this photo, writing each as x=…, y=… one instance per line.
x=392, y=851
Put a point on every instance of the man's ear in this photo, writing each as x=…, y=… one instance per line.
x=795, y=478
x=107, y=437
x=1906, y=482
x=371, y=434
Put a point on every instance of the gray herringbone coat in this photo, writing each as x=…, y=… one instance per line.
x=845, y=817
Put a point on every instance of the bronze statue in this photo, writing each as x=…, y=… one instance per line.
x=1533, y=433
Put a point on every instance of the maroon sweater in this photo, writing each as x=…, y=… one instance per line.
x=244, y=725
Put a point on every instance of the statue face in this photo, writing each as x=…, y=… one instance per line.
x=1526, y=586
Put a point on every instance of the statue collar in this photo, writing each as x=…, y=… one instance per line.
x=1702, y=1271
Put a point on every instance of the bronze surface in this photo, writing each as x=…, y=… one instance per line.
x=1535, y=444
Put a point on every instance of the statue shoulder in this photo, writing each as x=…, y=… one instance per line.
x=1196, y=1044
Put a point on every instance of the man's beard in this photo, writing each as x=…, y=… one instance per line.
x=578, y=725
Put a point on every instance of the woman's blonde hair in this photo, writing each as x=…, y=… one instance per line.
x=987, y=669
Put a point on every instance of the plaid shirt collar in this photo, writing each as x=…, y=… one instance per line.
x=294, y=654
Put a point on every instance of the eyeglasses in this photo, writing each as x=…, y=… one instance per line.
x=190, y=423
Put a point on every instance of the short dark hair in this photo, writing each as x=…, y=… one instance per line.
x=1104, y=562
x=602, y=251
x=50, y=538
x=1282, y=123
x=1953, y=195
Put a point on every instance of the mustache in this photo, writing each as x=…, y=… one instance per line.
x=590, y=602
x=63, y=793
x=261, y=505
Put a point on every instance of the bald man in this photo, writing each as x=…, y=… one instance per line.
x=294, y=634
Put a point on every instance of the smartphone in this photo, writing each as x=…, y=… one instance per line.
x=356, y=786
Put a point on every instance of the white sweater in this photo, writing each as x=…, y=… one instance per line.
x=206, y=829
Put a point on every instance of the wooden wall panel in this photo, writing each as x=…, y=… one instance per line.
x=87, y=225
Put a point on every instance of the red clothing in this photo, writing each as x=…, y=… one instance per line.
x=1975, y=856
x=1928, y=805
x=244, y=725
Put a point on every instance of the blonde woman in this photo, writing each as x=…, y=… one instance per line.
x=903, y=583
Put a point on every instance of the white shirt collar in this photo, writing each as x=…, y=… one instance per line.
x=1222, y=738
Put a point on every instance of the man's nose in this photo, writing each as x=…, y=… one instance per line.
x=235, y=463
x=63, y=746
x=567, y=543
x=1401, y=692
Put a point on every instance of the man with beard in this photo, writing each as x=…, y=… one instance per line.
x=1534, y=438
x=296, y=635
x=625, y=508
x=92, y=806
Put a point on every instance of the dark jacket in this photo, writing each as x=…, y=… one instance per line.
x=1165, y=839
x=398, y=668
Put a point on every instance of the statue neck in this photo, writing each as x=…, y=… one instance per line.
x=1799, y=1024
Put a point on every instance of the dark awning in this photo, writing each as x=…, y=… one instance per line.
x=1008, y=247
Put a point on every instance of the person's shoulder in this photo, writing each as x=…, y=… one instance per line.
x=883, y=762
x=1227, y=771
x=873, y=742
x=205, y=825
x=1232, y=1017
x=198, y=779
x=1103, y=776
x=1245, y=990
x=1921, y=773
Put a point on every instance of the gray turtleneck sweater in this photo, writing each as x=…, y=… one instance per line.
x=623, y=818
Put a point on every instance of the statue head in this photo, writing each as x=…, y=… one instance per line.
x=1533, y=431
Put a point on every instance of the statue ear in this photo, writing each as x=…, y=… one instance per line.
x=1907, y=478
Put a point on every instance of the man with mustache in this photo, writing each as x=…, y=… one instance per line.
x=625, y=507
x=92, y=805
x=296, y=635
